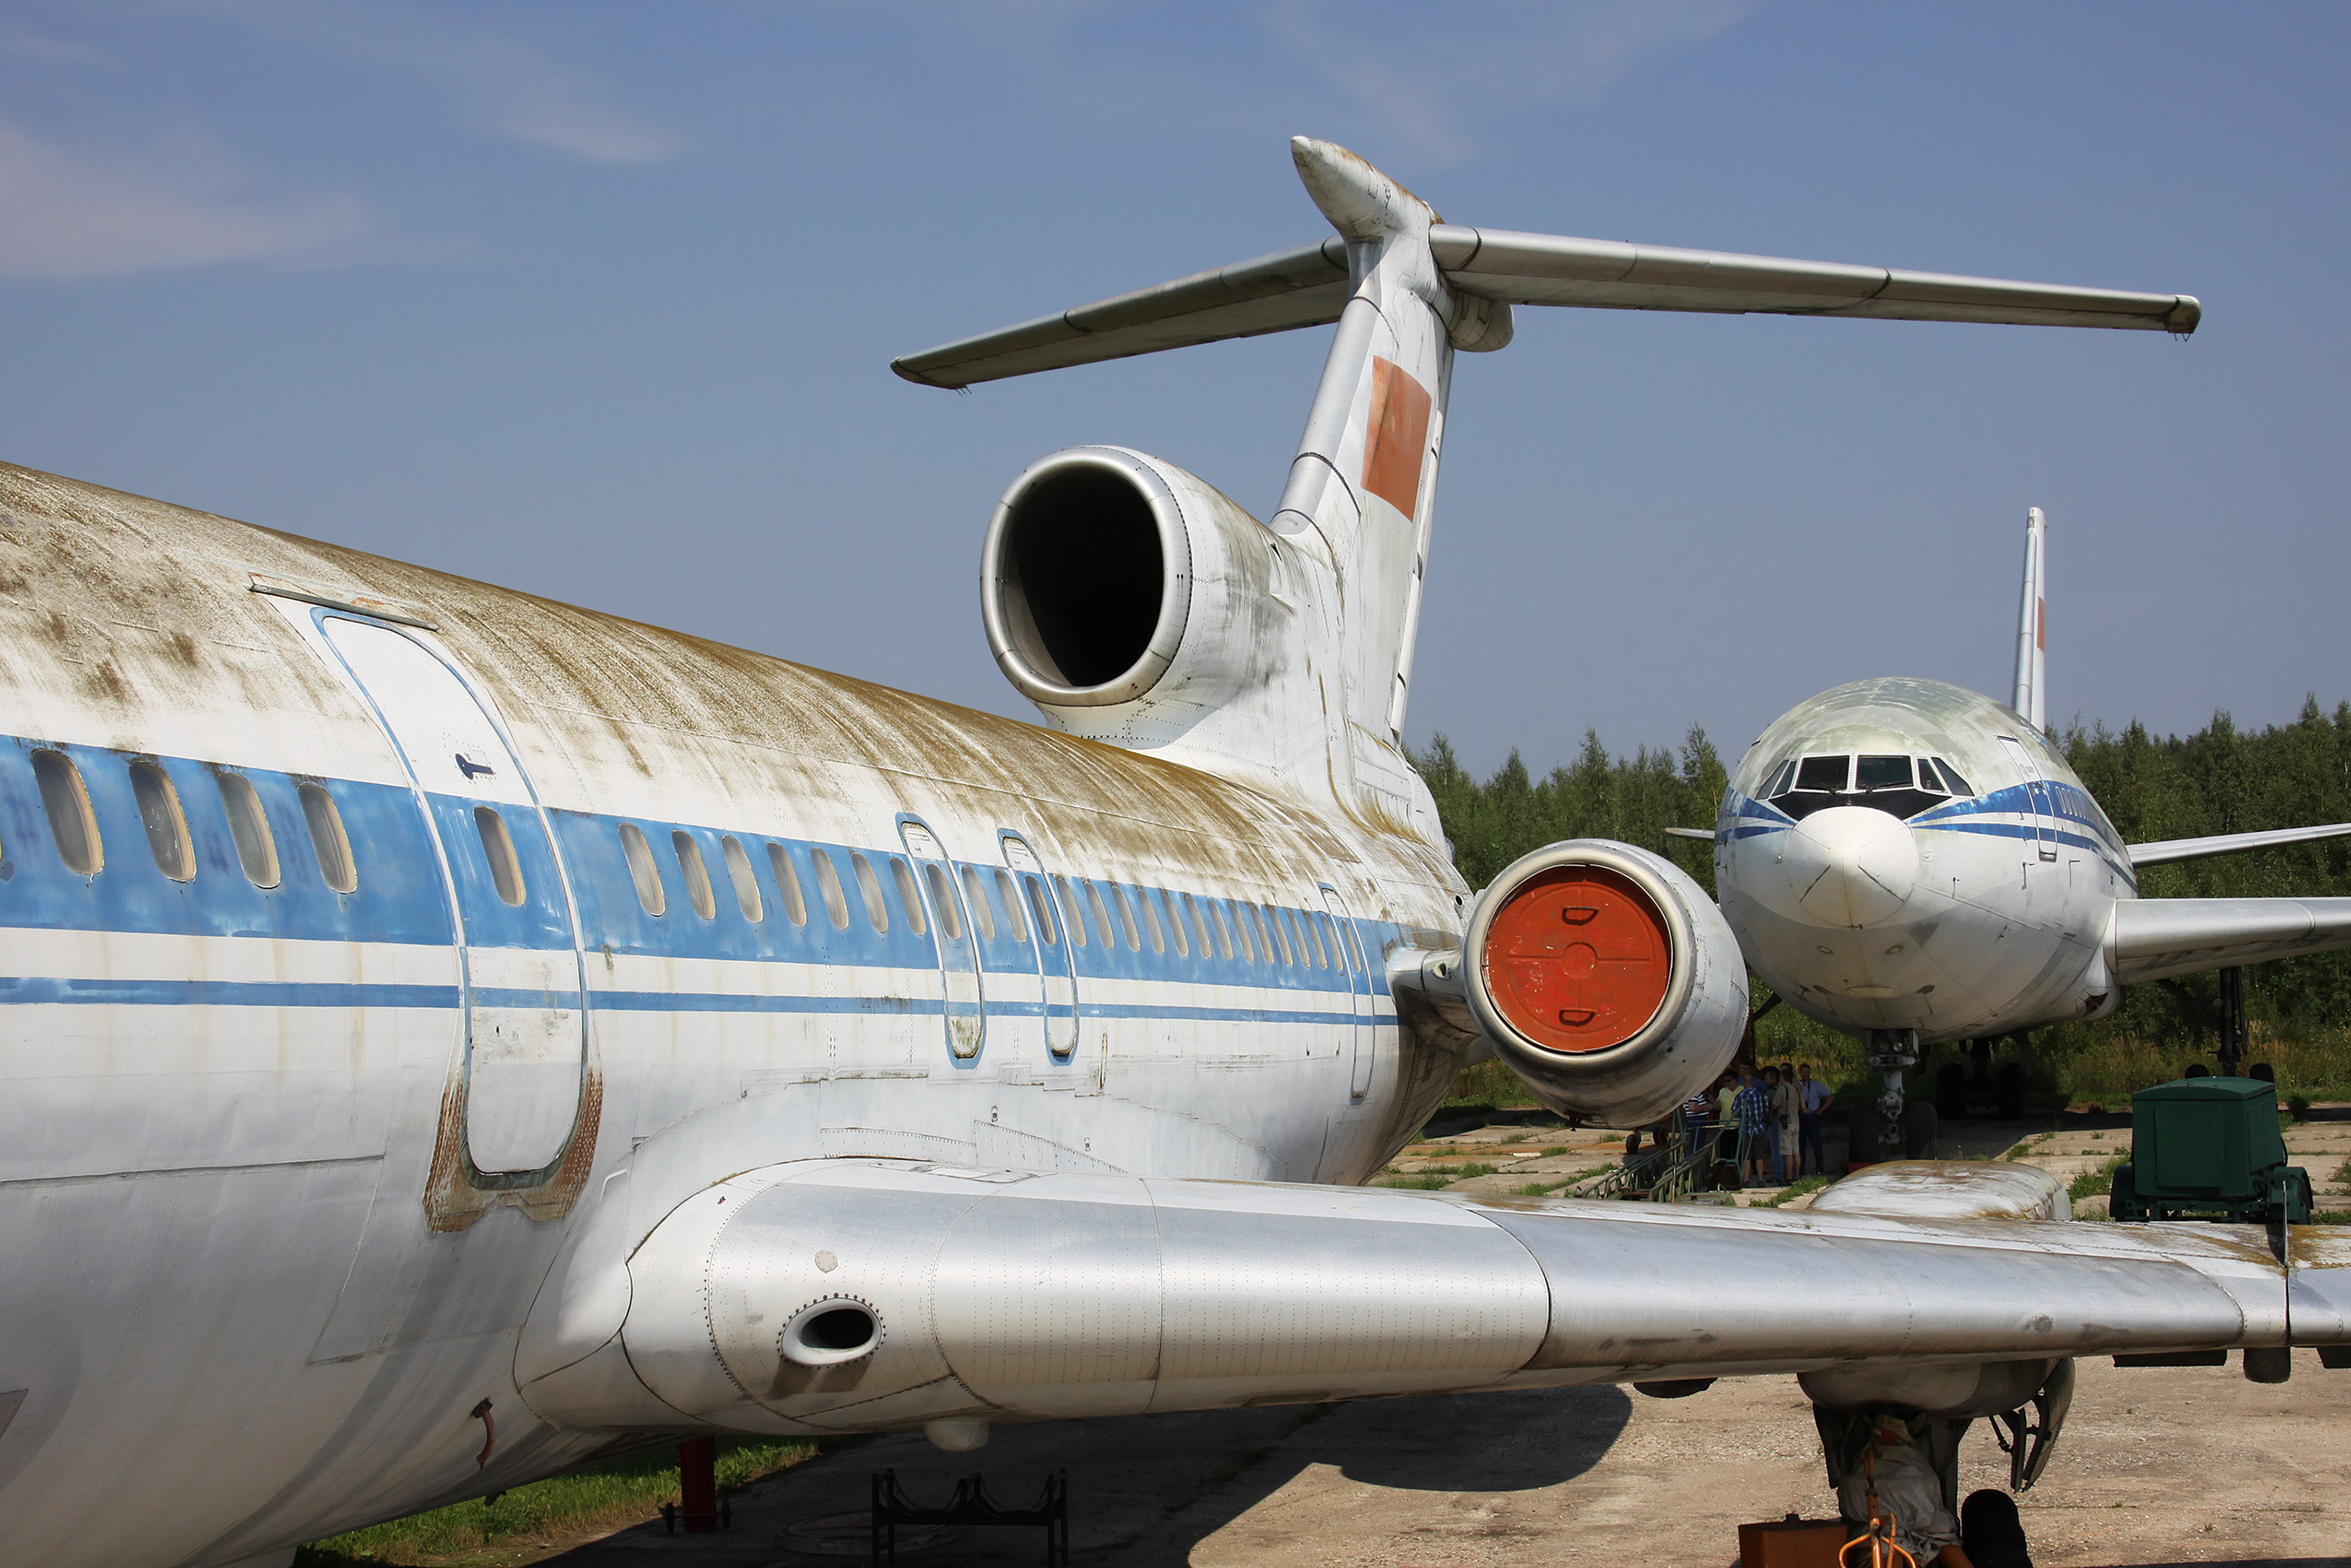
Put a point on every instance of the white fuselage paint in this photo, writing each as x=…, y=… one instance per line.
x=257, y=1264
x=1957, y=915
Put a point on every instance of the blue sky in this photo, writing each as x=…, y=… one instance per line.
x=598, y=300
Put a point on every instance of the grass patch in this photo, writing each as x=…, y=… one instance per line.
x=2330, y=1216
x=2091, y=1183
x=616, y=1492
x=1417, y=1183
x=1796, y=1188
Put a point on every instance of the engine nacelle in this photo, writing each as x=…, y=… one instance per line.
x=1124, y=596
x=1606, y=979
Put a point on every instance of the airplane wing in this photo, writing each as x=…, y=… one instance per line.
x=1309, y=288
x=1706, y=833
x=868, y=1295
x=2155, y=939
x=2171, y=849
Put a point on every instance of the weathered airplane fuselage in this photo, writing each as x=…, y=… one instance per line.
x=628, y=912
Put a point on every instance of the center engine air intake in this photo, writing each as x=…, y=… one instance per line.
x=1606, y=979
x=1120, y=591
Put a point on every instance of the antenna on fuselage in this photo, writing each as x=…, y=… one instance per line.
x=2033, y=624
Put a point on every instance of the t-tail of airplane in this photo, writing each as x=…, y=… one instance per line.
x=1136, y=605
x=2033, y=624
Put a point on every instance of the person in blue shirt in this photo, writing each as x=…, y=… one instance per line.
x=1813, y=1095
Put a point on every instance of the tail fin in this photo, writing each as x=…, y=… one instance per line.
x=1407, y=289
x=2033, y=624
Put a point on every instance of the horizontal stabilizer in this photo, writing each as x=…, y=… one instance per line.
x=2172, y=849
x=1309, y=286
x=2156, y=938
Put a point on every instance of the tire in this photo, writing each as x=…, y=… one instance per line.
x=1865, y=1131
x=1921, y=1124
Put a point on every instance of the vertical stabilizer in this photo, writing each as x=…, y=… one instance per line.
x=2033, y=624
x=1362, y=486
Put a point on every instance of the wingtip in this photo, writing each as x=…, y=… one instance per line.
x=1362, y=202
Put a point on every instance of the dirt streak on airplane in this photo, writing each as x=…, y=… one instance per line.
x=447, y=1035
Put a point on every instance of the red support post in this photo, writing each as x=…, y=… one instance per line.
x=697, y=1485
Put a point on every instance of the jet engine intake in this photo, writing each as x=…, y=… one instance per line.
x=1116, y=586
x=1606, y=979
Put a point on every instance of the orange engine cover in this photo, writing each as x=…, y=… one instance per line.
x=1578, y=958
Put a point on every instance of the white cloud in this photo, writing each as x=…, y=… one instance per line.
x=502, y=85
x=69, y=215
x=1425, y=73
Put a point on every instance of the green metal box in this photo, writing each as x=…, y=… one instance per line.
x=2207, y=1146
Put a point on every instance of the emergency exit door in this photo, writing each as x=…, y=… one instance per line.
x=1057, y=974
x=519, y=966
x=2037, y=791
x=1350, y=956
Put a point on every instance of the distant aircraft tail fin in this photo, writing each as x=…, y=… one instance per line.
x=2033, y=624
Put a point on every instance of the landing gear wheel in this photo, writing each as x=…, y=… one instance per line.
x=1920, y=1126
x=1864, y=1132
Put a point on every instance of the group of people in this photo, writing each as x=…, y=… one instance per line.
x=1770, y=1119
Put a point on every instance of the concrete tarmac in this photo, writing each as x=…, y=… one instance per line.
x=2156, y=1466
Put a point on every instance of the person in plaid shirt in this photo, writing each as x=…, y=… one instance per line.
x=1753, y=1109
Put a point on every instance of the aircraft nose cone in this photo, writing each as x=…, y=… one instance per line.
x=1850, y=865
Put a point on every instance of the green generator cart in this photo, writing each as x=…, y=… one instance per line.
x=2209, y=1148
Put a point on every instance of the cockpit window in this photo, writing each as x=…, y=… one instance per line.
x=1826, y=773
x=1886, y=782
x=1780, y=777
x=1883, y=772
x=1951, y=777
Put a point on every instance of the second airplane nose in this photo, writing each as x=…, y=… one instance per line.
x=1850, y=865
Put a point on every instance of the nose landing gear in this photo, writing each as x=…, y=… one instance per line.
x=1891, y=1129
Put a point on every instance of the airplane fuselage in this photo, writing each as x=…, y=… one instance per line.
x=1905, y=854
x=365, y=926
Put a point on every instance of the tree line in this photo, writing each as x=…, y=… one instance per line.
x=2222, y=779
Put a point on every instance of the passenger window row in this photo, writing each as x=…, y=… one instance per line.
x=80, y=844
x=1099, y=913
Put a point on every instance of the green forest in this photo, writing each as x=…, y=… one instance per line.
x=2221, y=779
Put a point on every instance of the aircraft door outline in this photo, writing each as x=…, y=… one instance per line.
x=2036, y=790
x=963, y=999
x=523, y=1076
x=1057, y=974
x=1350, y=956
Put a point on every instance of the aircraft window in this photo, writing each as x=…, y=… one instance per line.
x=739, y=871
x=1883, y=772
x=1042, y=913
x=1217, y=924
x=1199, y=926
x=1069, y=900
x=329, y=842
x=1951, y=777
x=869, y=888
x=642, y=869
x=975, y=894
x=1781, y=777
x=1825, y=773
x=697, y=874
x=497, y=848
x=788, y=883
x=1927, y=779
x=1158, y=933
x=1102, y=916
x=1326, y=941
x=1285, y=935
x=248, y=825
x=910, y=897
x=1256, y=927
x=72, y=824
x=1012, y=906
x=1175, y=926
x=167, y=827
x=943, y=900
x=828, y=886
x=1241, y=931
x=1125, y=919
